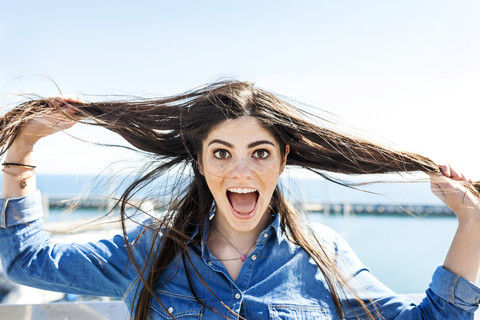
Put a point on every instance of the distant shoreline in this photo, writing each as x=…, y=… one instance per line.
x=381, y=209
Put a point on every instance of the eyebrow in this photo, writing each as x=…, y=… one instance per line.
x=251, y=145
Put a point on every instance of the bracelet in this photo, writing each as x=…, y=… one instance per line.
x=6, y=164
x=23, y=180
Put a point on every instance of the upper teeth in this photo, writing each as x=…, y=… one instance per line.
x=241, y=190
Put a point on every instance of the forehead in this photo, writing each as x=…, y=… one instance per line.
x=240, y=130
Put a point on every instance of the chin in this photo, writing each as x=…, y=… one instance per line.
x=246, y=223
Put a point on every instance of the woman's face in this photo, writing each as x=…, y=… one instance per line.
x=241, y=162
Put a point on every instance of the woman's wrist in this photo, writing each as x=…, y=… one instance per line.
x=18, y=181
x=469, y=218
x=470, y=227
x=20, y=151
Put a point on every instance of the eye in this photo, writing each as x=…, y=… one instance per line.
x=261, y=154
x=221, y=154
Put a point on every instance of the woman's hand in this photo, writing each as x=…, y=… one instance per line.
x=450, y=187
x=463, y=257
x=48, y=124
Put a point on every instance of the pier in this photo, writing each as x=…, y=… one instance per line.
x=59, y=202
x=376, y=209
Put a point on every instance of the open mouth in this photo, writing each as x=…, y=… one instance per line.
x=243, y=200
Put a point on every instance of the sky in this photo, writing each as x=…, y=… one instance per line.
x=404, y=71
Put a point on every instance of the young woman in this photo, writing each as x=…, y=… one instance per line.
x=229, y=246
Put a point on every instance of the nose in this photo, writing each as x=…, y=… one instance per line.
x=242, y=168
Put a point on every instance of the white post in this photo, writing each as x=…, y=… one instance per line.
x=46, y=206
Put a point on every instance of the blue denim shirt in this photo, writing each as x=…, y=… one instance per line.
x=278, y=280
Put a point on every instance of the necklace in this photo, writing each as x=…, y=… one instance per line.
x=243, y=256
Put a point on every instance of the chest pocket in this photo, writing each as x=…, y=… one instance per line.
x=180, y=306
x=297, y=312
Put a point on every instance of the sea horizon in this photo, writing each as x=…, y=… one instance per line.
x=297, y=189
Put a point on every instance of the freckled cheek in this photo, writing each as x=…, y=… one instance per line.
x=212, y=176
x=268, y=176
x=267, y=172
x=216, y=186
x=269, y=169
x=214, y=168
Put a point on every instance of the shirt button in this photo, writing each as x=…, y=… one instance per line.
x=265, y=235
x=238, y=296
x=170, y=309
x=254, y=257
x=210, y=263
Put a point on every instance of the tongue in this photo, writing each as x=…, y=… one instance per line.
x=243, y=202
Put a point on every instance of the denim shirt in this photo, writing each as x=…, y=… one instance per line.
x=278, y=280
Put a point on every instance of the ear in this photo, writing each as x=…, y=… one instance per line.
x=284, y=158
x=200, y=165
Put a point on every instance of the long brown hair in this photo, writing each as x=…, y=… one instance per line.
x=172, y=129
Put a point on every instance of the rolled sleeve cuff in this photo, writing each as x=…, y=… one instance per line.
x=17, y=211
x=455, y=289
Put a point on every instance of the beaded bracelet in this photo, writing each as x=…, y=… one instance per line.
x=7, y=164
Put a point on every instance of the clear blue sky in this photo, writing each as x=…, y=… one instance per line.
x=408, y=71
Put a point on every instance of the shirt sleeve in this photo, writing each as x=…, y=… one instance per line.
x=448, y=297
x=29, y=256
x=16, y=211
